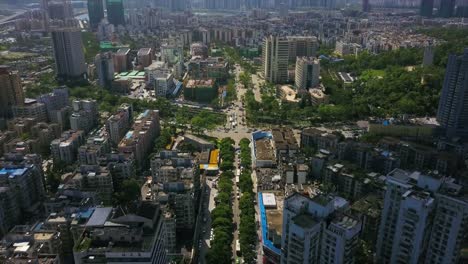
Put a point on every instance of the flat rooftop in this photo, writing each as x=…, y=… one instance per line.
x=199, y=83
x=304, y=220
x=99, y=216
x=264, y=149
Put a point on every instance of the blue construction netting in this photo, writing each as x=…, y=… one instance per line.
x=263, y=219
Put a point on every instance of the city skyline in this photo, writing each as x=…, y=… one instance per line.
x=246, y=131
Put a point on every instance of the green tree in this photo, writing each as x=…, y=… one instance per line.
x=131, y=191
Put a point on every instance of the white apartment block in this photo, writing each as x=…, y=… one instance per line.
x=313, y=232
x=307, y=73
x=423, y=220
x=275, y=59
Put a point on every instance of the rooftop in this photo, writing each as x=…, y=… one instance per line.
x=304, y=221
x=346, y=222
x=200, y=83
x=144, y=51
x=264, y=149
x=99, y=216
x=13, y=172
x=370, y=205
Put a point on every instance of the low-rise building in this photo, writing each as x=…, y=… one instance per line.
x=344, y=48
x=264, y=154
x=93, y=178
x=202, y=91
x=211, y=68
x=106, y=236
x=318, y=97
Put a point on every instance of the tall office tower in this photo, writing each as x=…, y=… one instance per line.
x=462, y=9
x=179, y=5
x=209, y=4
x=307, y=73
x=232, y=4
x=11, y=92
x=302, y=46
x=60, y=9
x=68, y=53
x=423, y=219
x=426, y=8
x=104, y=63
x=45, y=5
x=329, y=4
x=95, y=12
x=428, y=58
x=453, y=105
x=115, y=12
x=313, y=232
x=446, y=8
x=366, y=6
x=249, y=4
x=275, y=59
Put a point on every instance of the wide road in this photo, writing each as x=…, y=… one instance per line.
x=240, y=131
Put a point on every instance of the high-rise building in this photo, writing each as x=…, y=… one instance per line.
x=11, y=92
x=68, y=53
x=95, y=12
x=145, y=57
x=428, y=58
x=57, y=105
x=453, y=105
x=462, y=9
x=115, y=12
x=66, y=147
x=60, y=9
x=302, y=46
x=366, y=6
x=447, y=7
x=32, y=109
x=275, y=59
x=138, y=141
x=314, y=232
x=426, y=8
x=119, y=123
x=423, y=219
x=122, y=60
x=85, y=115
x=307, y=73
x=104, y=63
x=26, y=182
x=179, y=5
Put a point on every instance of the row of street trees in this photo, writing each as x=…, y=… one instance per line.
x=247, y=227
x=221, y=216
